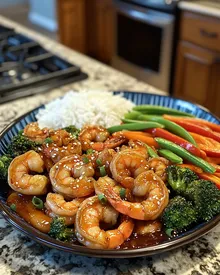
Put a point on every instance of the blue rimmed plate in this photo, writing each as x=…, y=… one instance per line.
x=138, y=98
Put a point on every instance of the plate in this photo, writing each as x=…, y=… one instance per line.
x=138, y=98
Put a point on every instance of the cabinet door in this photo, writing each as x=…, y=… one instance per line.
x=71, y=22
x=198, y=75
x=100, y=25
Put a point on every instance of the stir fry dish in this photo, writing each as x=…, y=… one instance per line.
x=132, y=185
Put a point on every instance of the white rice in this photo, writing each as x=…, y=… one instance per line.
x=83, y=108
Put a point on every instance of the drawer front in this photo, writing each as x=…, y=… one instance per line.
x=201, y=30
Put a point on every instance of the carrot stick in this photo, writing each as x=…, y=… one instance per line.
x=197, y=121
x=192, y=167
x=142, y=137
x=213, y=178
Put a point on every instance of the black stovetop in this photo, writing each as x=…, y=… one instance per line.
x=168, y=6
x=27, y=68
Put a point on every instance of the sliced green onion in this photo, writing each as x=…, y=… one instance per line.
x=169, y=232
x=89, y=151
x=122, y=193
x=37, y=202
x=20, y=132
x=48, y=140
x=102, y=198
x=99, y=162
x=85, y=160
x=13, y=207
x=102, y=171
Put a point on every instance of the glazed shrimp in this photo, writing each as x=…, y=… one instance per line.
x=87, y=225
x=59, y=206
x=103, y=184
x=25, y=208
x=138, y=147
x=33, y=132
x=147, y=227
x=146, y=184
x=19, y=177
x=159, y=166
x=93, y=137
x=62, y=145
x=72, y=178
x=126, y=166
x=69, y=220
x=105, y=157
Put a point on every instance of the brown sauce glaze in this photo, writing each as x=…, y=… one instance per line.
x=140, y=241
x=25, y=209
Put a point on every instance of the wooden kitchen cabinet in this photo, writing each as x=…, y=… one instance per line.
x=71, y=24
x=100, y=32
x=197, y=75
x=87, y=26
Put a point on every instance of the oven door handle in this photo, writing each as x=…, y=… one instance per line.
x=149, y=16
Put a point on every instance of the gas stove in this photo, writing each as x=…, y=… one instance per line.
x=27, y=68
x=168, y=6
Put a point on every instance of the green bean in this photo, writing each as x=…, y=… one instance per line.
x=159, y=110
x=167, y=154
x=132, y=115
x=185, y=155
x=170, y=126
x=135, y=126
x=151, y=151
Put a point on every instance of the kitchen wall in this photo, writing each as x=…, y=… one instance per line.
x=43, y=13
x=5, y=3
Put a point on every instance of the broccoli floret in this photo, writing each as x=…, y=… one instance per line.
x=178, y=178
x=4, y=164
x=60, y=231
x=72, y=130
x=206, y=198
x=179, y=214
x=20, y=145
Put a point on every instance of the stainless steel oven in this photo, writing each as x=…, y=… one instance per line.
x=143, y=43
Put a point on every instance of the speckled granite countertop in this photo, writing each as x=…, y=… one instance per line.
x=21, y=256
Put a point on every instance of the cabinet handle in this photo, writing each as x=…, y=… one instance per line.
x=208, y=34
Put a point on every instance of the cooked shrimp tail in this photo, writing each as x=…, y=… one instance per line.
x=20, y=179
x=150, y=185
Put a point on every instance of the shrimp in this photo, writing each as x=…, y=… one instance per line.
x=62, y=145
x=33, y=132
x=93, y=137
x=59, y=206
x=114, y=141
x=72, y=178
x=147, y=184
x=87, y=225
x=126, y=166
x=19, y=177
x=69, y=220
x=25, y=209
x=105, y=157
x=147, y=227
x=138, y=147
x=104, y=183
x=159, y=166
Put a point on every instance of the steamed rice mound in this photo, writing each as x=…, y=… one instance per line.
x=82, y=108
